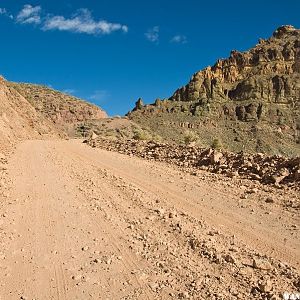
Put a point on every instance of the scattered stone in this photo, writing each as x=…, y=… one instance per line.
x=270, y=200
x=262, y=264
x=229, y=258
x=184, y=295
x=77, y=277
x=171, y=215
x=265, y=286
x=268, y=170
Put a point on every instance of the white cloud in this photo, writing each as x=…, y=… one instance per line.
x=99, y=95
x=29, y=15
x=3, y=11
x=82, y=22
x=69, y=91
x=179, y=39
x=152, y=34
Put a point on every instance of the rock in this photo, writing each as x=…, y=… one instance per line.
x=274, y=297
x=247, y=271
x=171, y=215
x=265, y=286
x=260, y=85
x=215, y=157
x=94, y=135
x=77, y=277
x=270, y=169
x=139, y=104
x=229, y=258
x=269, y=200
x=262, y=264
x=253, y=191
x=297, y=175
x=154, y=286
x=184, y=295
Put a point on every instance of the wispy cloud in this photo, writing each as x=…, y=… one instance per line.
x=152, y=34
x=69, y=91
x=179, y=39
x=4, y=12
x=82, y=22
x=29, y=15
x=99, y=96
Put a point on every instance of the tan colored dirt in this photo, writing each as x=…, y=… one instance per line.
x=84, y=223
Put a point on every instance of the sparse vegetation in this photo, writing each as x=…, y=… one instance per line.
x=142, y=135
x=217, y=144
x=190, y=137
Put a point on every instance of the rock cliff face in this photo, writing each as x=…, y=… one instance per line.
x=268, y=74
x=259, y=87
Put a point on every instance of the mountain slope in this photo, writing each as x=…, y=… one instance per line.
x=31, y=111
x=249, y=101
x=18, y=118
x=63, y=110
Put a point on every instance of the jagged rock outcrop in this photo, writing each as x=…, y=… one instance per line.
x=267, y=76
x=278, y=55
x=259, y=87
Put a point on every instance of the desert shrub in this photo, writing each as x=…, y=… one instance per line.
x=83, y=130
x=109, y=132
x=281, y=121
x=216, y=144
x=157, y=138
x=141, y=135
x=190, y=137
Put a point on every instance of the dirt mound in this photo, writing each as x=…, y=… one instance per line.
x=266, y=169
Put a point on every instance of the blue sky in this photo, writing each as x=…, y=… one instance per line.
x=111, y=52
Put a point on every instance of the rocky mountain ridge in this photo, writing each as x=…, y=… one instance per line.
x=251, y=100
x=268, y=73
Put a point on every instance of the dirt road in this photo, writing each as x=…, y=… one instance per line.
x=83, y=223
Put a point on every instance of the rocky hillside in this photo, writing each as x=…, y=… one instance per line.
x=63, y=110
x=30, y=111
x=18, y=118
x=249, y=101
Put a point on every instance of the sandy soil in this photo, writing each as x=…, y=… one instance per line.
x=84, y=223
